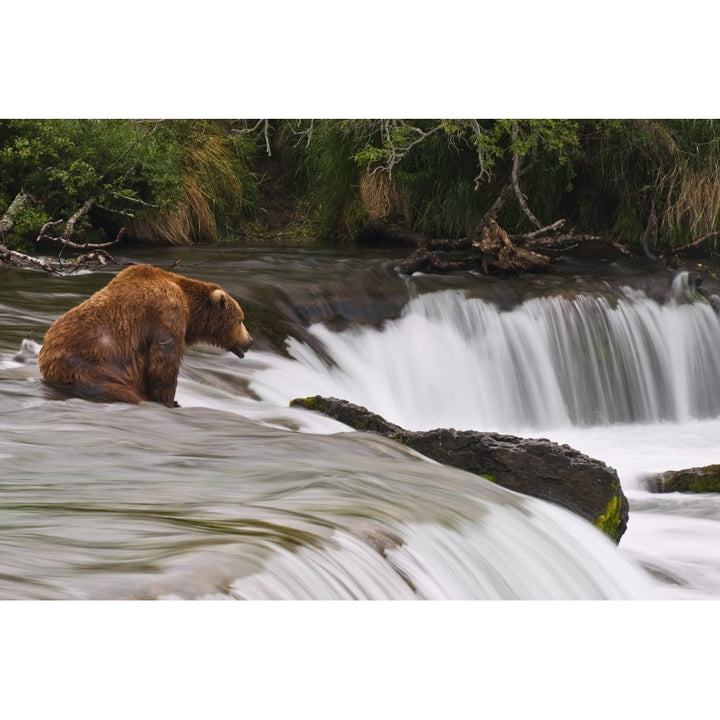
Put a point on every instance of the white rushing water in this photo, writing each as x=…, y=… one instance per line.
x=237, y=495
x=551, y=362
x=632, y=382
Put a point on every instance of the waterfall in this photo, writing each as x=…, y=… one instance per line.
x=236, y=494
x=451, y=360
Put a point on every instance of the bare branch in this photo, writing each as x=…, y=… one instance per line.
x=496, y=207
x=517, y=159
x=547, y=230
x=690, y=245
x=649, y=230
x=43, y=230
x=129, y=198
x=64, y=240
x=265, y=124
x=89, y=246
x=396, y=152
x=571, y=239
x=83, y=210
x=13, y=257
x=484, y=175
x=307, y=134
x=18, y=259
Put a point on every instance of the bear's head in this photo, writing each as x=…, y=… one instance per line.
x=225, y=324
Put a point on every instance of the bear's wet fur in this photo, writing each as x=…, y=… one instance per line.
x=126, y=342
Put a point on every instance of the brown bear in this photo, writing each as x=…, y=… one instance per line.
x=125, y=343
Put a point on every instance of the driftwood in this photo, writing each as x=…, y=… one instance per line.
x=540, y=233
x=427, y=261
x=14, y=257
x=59, y=266
x=493, y=253
x=18, y=259
x=672, y=252
x=97, y=251
x=499, y=253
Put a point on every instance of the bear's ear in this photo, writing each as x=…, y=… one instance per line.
x=218, y=297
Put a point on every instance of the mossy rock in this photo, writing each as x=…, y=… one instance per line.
x=613, y=521
x=537, y=467
x=692, y=480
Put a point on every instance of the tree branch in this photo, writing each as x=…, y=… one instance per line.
x=689, y=246
x=18, y=259
x=265, y=124
x=514, y=174
x=64, y=239
x=13, y=257
x=91, y=246
x=538, y=233
x=649, y=229
x=84, y=209
x=496, y=207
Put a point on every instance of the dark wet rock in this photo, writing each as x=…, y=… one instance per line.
x=537, y=467
x=691, y=480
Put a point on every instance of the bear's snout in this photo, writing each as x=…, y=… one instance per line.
x=240, y=348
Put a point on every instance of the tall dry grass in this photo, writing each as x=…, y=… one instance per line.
x=191, y=221
x=219, y=190
x=380, y=196
x=694, y=203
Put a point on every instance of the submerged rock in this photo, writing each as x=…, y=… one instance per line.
x=537, y=467
x=691, y=480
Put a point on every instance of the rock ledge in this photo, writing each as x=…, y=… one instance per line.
x=537, y=467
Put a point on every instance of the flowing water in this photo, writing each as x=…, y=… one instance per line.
x=237, y=495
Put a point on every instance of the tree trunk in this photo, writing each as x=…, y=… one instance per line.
x=8, y=219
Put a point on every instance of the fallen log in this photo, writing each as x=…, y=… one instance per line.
x=98, y=251
x=427, y=261
x=16, y=258
x=493, y=254
x=501, y=254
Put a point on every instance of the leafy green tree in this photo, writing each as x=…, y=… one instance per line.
x=440, y=177
x=648, y=184
x=140, y=174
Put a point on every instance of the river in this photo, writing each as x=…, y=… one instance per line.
x=235, y=495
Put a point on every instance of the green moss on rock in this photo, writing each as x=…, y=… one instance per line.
x=536, y=467
x=692, y=480
x=611, y=521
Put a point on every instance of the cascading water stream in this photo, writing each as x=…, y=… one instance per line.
x=235, y=494
x=621, y=377
x=455, y=361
